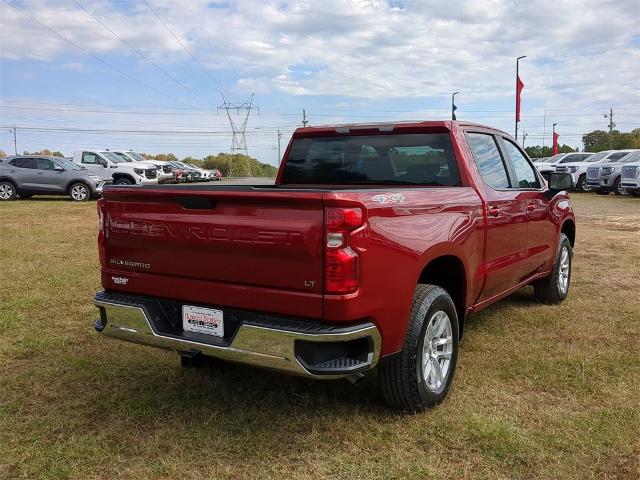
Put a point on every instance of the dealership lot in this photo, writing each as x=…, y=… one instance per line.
x=541, y=392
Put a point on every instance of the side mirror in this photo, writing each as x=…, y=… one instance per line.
x=558, y=182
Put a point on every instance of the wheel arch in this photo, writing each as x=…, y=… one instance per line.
x=70, y=183
x=569, y=229
x=448, y=271
x=119, y=175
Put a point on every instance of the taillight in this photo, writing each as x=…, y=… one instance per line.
x=341, y=261
x=102, y=248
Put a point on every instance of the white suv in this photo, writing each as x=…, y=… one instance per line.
x=109, y=165
x=607, y=177
x=578, y=170
x=546, y=166
x=630, y=178
x=165, y=170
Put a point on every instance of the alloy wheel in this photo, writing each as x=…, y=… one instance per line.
x=437, y=351
x=79, y=192
x=564, y=270
x=6, y=191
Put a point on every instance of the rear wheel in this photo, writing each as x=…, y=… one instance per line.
x=79, y=192
x=555, y=288
x=7, y=191
x=582, y=186
x=420, y=375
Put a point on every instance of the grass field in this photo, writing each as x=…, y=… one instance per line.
x=541, y=392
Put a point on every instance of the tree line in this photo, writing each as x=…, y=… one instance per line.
x=239, y=164
x=595, y=141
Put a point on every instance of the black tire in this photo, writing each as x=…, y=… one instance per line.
x=617, y=188
x=79, y=192
x=548, y=290
x=123, y=181
x=602, y=191
x=8, y=191
x=581, y=186
x=401, y=376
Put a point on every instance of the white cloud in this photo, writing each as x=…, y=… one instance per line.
x=580, y=54
x=365, y=48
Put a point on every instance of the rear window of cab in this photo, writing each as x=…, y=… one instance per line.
x=414, y=159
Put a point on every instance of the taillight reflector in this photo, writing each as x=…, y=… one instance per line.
x=341, y=271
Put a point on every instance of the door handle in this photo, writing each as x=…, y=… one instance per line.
x=494, y=211
x=530, y=208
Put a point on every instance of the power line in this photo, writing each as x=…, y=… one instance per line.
x=139, y=53
x=183, y=46
x=104, y=62
x=188, y=5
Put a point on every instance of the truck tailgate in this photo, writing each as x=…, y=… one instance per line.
x=264, y=242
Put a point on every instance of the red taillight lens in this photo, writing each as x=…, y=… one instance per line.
x=341, y=271
x=343, y=219
x=341, y=261
x=102, y=249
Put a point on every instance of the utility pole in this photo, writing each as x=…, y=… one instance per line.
x=524, y=137
x=279, y=137
x=304, y=118
x=611, y=127
x=518, y=93
x=238, y=130
x=15, y=142
x=453, y=105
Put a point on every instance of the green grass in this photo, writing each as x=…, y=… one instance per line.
x=541, y=392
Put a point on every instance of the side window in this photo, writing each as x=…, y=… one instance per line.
x=24, y=162
x=44, y=164
x=485, y=151
x=90, y=158
x=616, y=156
x=525, y=173
x=571, y=158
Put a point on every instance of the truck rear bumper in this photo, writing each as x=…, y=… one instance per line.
x=295, y=346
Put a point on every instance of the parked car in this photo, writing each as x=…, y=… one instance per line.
x=27, y=175
x=369, y=252
x=630, y=178
x=578, y=170
x=110, y=165
x=607, y=177
x=547, y=166
x=184, y=173
x=164, y=169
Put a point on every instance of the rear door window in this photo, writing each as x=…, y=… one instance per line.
x=90, y=158
x=418, y=159
x=24, y=162
x=525, y=173
x=487, y=155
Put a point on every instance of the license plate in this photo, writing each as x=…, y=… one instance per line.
x=203, y=320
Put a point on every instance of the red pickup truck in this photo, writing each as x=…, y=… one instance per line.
x=368, y=253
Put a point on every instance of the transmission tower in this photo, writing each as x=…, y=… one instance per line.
x=238, y=115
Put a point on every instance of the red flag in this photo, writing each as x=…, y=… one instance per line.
x=519, y=87
x=555, y=143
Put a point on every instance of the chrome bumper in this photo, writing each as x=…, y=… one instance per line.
x=268, y=347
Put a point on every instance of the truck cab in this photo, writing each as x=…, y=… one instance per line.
x=107, y=164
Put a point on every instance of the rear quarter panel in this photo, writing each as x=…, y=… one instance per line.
x=400, y=238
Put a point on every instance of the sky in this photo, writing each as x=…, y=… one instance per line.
x=150, y=74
